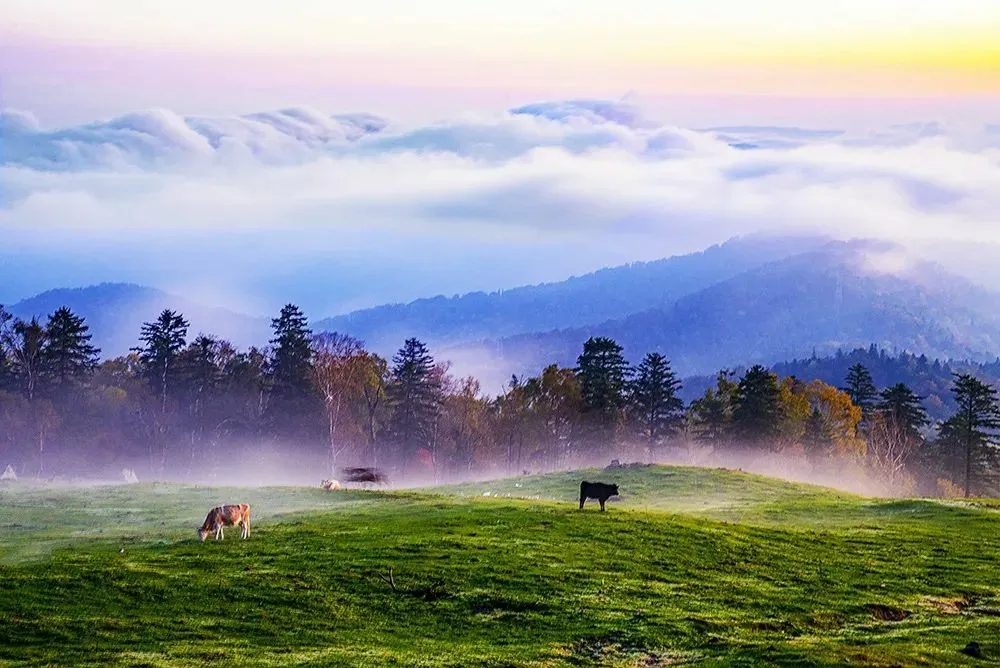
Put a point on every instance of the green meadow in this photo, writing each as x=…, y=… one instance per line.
x=690, y=567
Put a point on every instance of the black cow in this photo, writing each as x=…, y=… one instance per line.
x=597, y=490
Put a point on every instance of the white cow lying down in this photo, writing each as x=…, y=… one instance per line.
x=330, y=485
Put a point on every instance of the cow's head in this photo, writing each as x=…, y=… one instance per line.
x=203, y=534
x=614, y=489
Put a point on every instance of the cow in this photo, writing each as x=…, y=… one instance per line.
x=597, y=490
x=224, y=516
x=330, y=485
x=364, y=475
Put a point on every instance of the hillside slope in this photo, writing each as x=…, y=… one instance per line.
x=582, y=300
x=841, y=296
x=437, y=580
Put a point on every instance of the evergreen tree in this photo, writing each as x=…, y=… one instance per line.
x=603, y=374
x=974, y=426
x=292, y=354
x=899, y=404
x=653, y=397
x=416, y=395
x=817, y=440
x=163, y=341
x=711, y=415
x=67, y=355
x=860, y=388
x=757, y=414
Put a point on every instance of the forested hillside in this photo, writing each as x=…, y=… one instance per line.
x=930, y=379
x=606, y=294
x=838, y=297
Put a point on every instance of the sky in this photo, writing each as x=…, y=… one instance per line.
x=75, y=60
x=347, y=154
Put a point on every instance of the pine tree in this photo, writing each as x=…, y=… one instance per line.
x=757, y=414
x=603, y=374
x=67, y=355
x=292, y=354
x=900, y=404
x=975, y=424
x=415, y=395
x=163, y=341
x=860, y=388
x=653, y=398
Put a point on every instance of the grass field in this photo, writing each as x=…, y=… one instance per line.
x=691, y=566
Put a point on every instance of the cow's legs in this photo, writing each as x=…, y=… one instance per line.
x=602, y=504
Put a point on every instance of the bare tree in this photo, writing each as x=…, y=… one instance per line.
x=25, y=342
x=890, y=446
x=337, y=374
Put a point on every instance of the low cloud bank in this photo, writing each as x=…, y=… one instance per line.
x=304, y=203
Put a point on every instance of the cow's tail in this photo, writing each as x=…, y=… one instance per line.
x=583, y=493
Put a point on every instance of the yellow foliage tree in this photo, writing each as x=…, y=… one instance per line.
x=840, y=418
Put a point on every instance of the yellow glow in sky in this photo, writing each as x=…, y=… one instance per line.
x=838, y=47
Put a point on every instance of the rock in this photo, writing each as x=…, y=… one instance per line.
x=973, y=650
x=8, y=473
x=129, y=476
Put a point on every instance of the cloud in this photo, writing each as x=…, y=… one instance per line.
x=162, y=138
x=348, y=210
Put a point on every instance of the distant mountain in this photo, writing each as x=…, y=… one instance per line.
x=584, y=300
x=840, y=296
x=115, y=313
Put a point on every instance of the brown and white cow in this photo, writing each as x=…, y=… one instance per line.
x=225, y=516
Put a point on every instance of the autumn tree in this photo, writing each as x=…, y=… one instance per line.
x=555, y=400
x=653, y=399
x=513, y=421
x=795, y=411
x=840, y=416
x=466, y=424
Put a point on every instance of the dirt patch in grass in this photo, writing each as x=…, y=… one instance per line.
x=887, y=613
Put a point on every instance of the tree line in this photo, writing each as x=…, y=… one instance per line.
x=183, y=406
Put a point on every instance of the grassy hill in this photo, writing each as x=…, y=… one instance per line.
x=691, y=566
